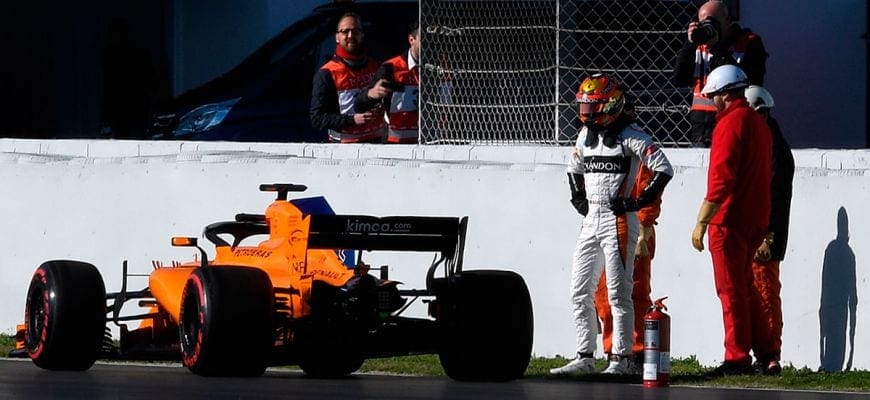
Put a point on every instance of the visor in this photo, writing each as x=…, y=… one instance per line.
x=591, y=108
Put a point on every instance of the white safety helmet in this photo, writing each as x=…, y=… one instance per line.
x=724, y=78
x=758, y=97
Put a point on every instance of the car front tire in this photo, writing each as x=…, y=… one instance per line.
x=65, y=315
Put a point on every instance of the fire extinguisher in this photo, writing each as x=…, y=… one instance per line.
x=656, y=345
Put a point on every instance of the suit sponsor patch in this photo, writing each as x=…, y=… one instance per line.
x=607, y=164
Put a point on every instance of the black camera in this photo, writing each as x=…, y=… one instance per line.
x=706, y=30
x=393, y=86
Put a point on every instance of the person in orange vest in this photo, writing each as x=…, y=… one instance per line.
x=715, y=40
x=337, y=83
x=396, y=87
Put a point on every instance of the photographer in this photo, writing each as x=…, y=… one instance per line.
x=715, y=40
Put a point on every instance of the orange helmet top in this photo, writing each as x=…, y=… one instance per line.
x=600, y=100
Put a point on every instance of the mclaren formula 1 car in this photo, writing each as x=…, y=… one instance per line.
x=288, y=300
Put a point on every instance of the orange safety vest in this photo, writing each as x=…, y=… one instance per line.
x=404, y=111
x=348, y=82
x=703, y=58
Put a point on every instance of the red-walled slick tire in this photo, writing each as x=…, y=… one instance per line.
x=225, y=324
x=65, y=315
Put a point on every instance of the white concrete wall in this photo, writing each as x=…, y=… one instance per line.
x=107, y=201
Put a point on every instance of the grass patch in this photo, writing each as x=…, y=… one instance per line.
x=426, y=365
x=7, y=343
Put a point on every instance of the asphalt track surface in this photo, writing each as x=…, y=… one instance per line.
x=20, y=379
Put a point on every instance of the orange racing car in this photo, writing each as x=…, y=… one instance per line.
x=288, y=300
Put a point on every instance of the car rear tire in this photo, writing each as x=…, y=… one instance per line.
x=331, y=338
x=225, y=325
x=486, y=326
x=330, y=357
x=65, y=315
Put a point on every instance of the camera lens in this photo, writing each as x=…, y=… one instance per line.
x=703, y=33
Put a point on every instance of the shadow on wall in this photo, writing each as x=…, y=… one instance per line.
x=839, y=300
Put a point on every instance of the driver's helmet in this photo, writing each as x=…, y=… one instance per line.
x=600, y=100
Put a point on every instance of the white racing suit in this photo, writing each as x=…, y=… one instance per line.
x=606, y=239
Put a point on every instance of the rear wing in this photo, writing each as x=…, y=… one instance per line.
x=363, y=232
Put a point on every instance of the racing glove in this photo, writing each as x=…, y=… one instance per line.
x=651, y=192
x=578, y=193
x=621, y=205
x=705, y=214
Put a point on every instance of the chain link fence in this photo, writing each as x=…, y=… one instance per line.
x=506, y=72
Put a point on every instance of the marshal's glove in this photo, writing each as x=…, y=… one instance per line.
x=641, y=250
x=622, y=205
x=705, y=214
x=762, y=254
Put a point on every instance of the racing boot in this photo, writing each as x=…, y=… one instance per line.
x=579, y=365
x=620, y=365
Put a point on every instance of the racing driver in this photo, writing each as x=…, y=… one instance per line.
x=602, y=171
